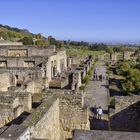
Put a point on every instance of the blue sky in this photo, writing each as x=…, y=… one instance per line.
x=88, y=20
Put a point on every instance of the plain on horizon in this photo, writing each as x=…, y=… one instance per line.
x=88, y=20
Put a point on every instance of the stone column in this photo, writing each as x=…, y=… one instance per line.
x=69, y=62
x=83, y=96
x=46, y=83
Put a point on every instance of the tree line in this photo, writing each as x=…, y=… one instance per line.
x=28, y=38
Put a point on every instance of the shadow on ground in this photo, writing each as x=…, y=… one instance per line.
x=96, y=124
x=127, y=119
x=20, y=119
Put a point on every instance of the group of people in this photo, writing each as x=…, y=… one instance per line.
x=97, y=76
x=98, y=111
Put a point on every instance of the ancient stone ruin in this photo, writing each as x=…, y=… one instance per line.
x=39, y=92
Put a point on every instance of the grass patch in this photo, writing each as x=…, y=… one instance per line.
x=82, y=88
x=112, y=102
x=86, y=79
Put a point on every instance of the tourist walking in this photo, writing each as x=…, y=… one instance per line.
x=103, y=76
x=99, y=112
x=95, y=74
x=95, y=111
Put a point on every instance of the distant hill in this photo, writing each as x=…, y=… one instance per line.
x=11, y=33
x=23, y=35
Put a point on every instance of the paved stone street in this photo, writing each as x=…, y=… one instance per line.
x=96, y=92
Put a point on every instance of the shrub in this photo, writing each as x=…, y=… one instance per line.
x=82, y=88
x=89, y=72
x=112, y=101
x=86, y=79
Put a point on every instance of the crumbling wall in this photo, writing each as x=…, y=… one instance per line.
x=44, y=121
x=36, y=86
x=26, y=101
x=123, y=102
x=12, y=104
x=72, y=115
x=78, y=59
x=5, y=81
x=127, y=114
x=17, y=52
x=6, y=115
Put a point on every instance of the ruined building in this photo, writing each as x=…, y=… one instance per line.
x=27, y=71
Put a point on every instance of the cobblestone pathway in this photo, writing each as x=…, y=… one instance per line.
x=96, y=93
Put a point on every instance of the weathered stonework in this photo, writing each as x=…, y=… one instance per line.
x=7, y=43
x=123, y=102
x=30, y=63
x=116, y=56
x=72, y=115
x=126, y=115
x=103, y=135
x=12, y=104
x=6, y=81
x=36, y=86
x=44, y=121
x=32, y=70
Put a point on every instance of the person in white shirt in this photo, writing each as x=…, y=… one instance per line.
x=99, y=112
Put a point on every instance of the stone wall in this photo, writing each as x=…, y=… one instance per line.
x=39, y=51
x=19, y=75
x=6, y=81
x=8, y=43
x=123, y=102
x=12, y=104
x=55, y=60
x=18, y=53
x=36, y=86
x=116, y=56
x=104, y=135
x=31, y=50
x=78, y=59
x=72, y=115
x=6, y=115
x=24, y=61
x=44, y=121
x=77, y=79
x=126, y=116
x=25, y=99
x=21, y=61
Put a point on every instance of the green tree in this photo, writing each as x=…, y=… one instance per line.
x=52, y=41
x=132, y=81
x=28, y=40
x=4, y=35
x=39, y=36
x=41, y=42
x=86, y=79
x=110, y=51
x=123, y=67
x=61, y=44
